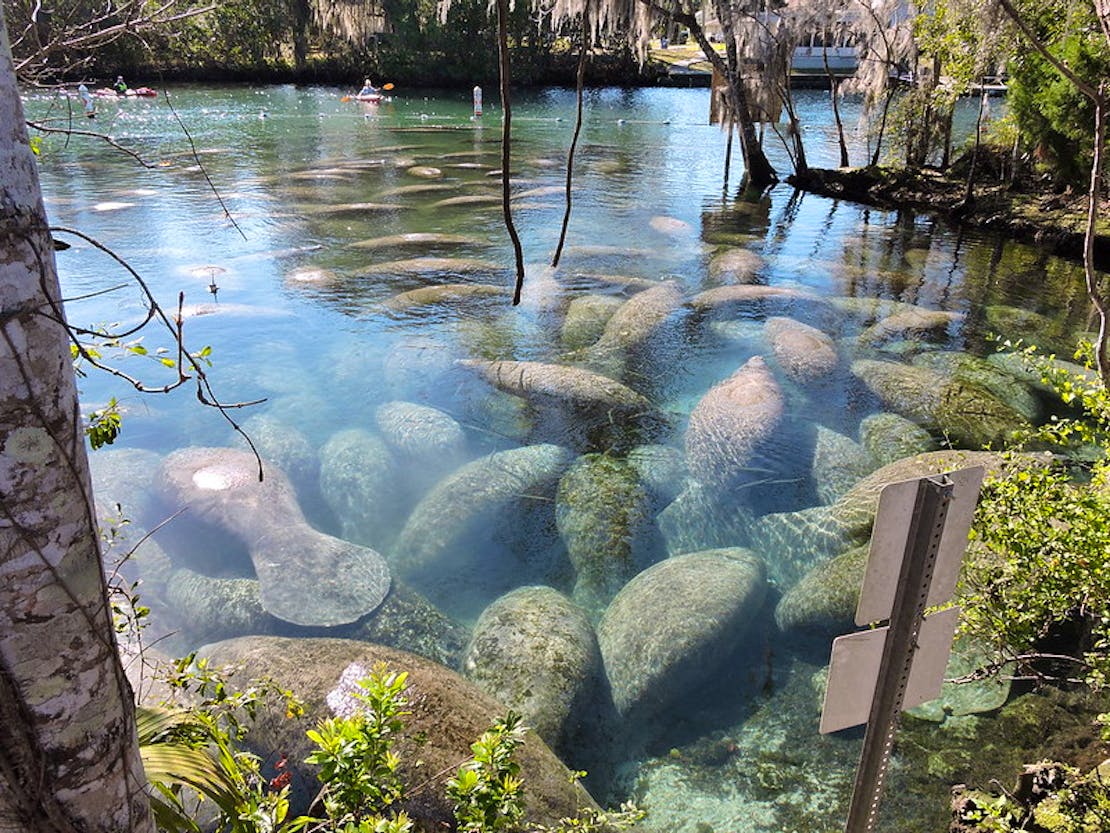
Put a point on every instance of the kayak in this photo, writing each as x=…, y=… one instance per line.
x=138, y=92
x=372, y=98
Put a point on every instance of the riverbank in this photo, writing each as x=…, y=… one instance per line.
x=1052, y=221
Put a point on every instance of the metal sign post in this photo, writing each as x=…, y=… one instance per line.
x=911, y=566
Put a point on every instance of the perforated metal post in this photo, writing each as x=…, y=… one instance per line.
x=922, y=544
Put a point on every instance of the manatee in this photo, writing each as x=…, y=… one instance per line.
x=420, y=435
x=311, y=276
x=444, y=293
x=417, y=366
x=359, y=482
x=662, y=469
x=344, y=208
x=980, y=372
x=417, y=239
x=430, y=265
x=535, y=651
x=430, y=188
x=803, y=352
x=424, y=172
x=672, y=628
x=468, y=199
x=730, y=422
x=856, y=508
x=542, y=191
x=286, y=446
x=447, y=714
x=603, y=513
x=791, y=543
x=735, y=266
x=123, y=483
x=306, y=577
x=889, y=437
x=671, y=226
x=570, y=385
x=206, y=608
x=701, y=518
x=589, y=280
x=446, y=546
x=585, y=319
x=758, y=298
x=869, y=310
x=587, y=251
x=839, y=462
x=918, y=324
x=969, y=415
x=633, y=328
x=824, y=600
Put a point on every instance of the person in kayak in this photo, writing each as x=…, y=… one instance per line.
x=368, y=89
x=120, y=86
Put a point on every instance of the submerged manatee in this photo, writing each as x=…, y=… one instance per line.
x=839, y=462
x=359, y=481
x=307, y=577
x=970, y=415
x=445, y=293
x=604, y=516
x=535, y=651
x=417, y=239
x=803, y=352
x=730, y=423
x=735, y=266
x=633, y=329
x=917, y=324
x=437, y=551
x=673, y=627
x=586, y=318
x=574, y=386
x=430, y=265
x=889, y=437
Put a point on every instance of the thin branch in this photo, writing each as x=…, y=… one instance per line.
x=69, y=131
x=506, y=143
x=581, y=77
x=203, y=170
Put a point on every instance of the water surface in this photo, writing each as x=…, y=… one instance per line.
x=269, y=217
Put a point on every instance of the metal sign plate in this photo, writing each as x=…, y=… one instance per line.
x=854, y=670
x=888, y=543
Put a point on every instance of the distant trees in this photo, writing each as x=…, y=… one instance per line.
x=65, y=39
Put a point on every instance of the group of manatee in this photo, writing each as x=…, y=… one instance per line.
x=617, y=557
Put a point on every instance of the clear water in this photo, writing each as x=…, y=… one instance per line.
x=324, y=354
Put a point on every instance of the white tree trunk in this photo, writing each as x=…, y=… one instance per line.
x=68, y=751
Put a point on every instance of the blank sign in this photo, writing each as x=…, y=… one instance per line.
x=854, y=670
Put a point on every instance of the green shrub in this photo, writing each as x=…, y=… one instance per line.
x=1037, y=575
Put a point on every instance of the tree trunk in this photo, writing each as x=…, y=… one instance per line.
x=758, y=171
x=69, y=758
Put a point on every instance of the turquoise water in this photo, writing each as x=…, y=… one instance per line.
x=267, y=206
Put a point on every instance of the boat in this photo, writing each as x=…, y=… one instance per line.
x=371, y=98
x=138, y=92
